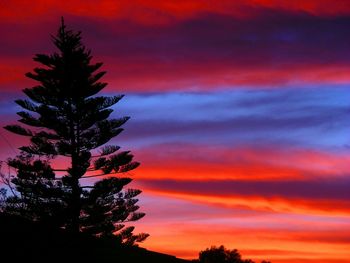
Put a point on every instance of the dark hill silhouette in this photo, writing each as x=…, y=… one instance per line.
x=25, y=241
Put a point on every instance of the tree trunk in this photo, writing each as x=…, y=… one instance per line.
x=75, y=205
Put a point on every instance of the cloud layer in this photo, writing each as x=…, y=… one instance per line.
x=189, y=46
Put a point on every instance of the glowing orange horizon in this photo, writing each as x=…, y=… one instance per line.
x=278, y=245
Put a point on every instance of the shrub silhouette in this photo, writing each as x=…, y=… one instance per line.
x=222, y=255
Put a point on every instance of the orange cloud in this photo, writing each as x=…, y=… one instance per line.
x=332, y=208
x=214, y=163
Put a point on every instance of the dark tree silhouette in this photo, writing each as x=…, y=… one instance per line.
x=222, y=255
x=64, y=117
x=37, y=195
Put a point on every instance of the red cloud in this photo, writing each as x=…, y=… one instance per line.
x=126, y=76
x=160, y=12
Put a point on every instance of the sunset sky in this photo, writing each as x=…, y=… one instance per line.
x=240, y=115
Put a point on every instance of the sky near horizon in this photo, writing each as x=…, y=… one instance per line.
x=240, y=115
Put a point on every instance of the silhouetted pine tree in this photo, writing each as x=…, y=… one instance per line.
x=66, y=118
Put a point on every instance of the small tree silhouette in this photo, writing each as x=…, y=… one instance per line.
x=37, y=195
x=222, y=255
x=66, y=118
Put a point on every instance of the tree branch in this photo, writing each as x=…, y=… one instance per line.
x=95, y=175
